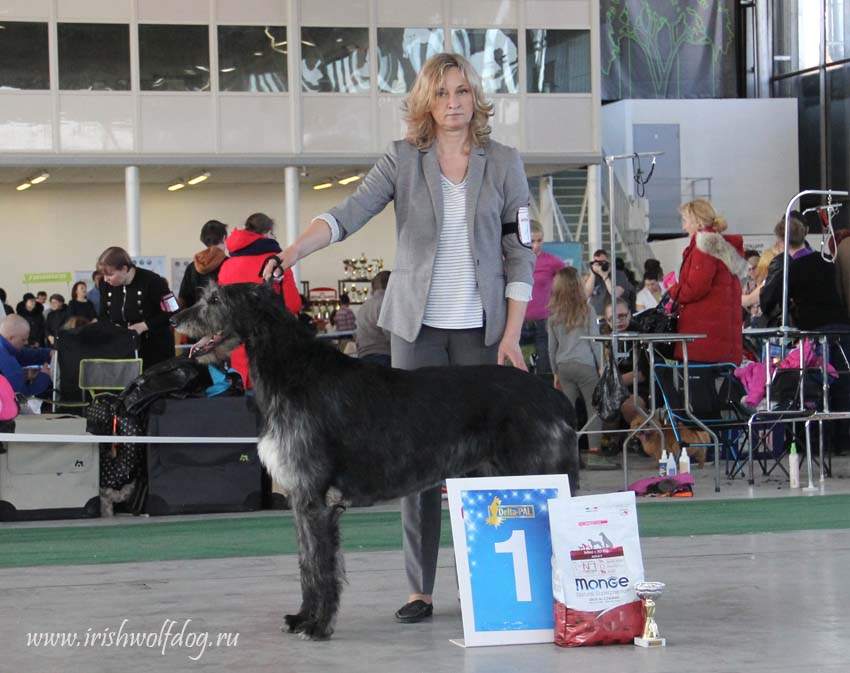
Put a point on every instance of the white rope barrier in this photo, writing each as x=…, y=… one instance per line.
x=119, y=439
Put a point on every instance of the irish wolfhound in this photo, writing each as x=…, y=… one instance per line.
x=337, y=430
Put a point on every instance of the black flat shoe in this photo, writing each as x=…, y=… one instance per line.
x=413, y=612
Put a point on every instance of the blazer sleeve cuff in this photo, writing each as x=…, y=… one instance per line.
x=332, y=223
x=518, y=291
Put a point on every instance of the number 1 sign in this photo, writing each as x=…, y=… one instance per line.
x=503, y=553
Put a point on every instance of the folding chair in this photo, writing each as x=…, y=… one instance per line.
x=713, y=393
x=100, y=375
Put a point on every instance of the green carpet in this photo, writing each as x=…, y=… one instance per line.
x=161, y=540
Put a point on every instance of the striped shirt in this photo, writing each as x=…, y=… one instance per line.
x=454, y=301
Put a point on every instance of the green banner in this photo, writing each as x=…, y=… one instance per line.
x=51, y=277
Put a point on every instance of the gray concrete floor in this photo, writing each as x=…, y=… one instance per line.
x=757, y=603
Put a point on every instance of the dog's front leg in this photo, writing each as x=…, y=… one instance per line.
x=321, y=569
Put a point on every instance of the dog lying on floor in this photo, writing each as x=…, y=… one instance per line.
x=650, y=440
x=337, y=430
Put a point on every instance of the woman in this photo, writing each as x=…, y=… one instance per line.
x=463, y=253
x=79, y=304
x=709, y=289
x=651, y=293
x=573, y=358
x=33, y=312
x=139, y=300
x=249, y=248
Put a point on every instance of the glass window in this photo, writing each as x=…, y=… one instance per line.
x=838, y=140
x=252, y=58
x=558, y=61
x=335, y=60
x=837, y=30
x=493, y=53
x=806, y=89
x=94, y=56
x=24, y=60
x=174, y=58
x=796, y=36
x=401, y=54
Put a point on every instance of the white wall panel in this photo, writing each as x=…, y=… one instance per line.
x=179, y=11
x=484, y=13
x=103, y=11
x=505, y=121
x=256, y=124
x=96, y=123
x=175, y=124
x=391, y=125
x=26, y=122
x=335, y=13
x=556, y=124
x=24, y=9
x=337, y=124
x=247, y=12
x=409, y=13
x=559, y=14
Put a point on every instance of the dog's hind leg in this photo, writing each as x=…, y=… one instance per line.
x=322, y=570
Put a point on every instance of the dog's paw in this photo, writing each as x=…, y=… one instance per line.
x=314, y=631
x=295, y=623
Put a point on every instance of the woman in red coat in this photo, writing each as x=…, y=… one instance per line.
x=709, y=289
x=249, y=248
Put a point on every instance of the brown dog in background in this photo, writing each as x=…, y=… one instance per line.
x=650, y=440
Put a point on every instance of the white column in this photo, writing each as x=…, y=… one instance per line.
x=134, y=218
x=594, y=210
x=547, y=216
x=293, y=210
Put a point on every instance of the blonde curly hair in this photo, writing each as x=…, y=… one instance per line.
x=703, y=213
x=421, y=130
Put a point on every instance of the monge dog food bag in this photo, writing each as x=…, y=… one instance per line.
x=596, y=561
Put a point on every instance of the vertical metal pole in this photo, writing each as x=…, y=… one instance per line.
x=293, y=209
x=134, y=211
x=613, y=269
x=594, y=209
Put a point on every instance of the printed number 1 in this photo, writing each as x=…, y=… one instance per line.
x=515, y=545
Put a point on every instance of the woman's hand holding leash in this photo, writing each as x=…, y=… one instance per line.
x=509, y=350
x=315, y=237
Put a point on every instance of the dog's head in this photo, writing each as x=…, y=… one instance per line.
x=217, y=320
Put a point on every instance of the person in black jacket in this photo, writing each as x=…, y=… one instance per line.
x=139, y=300
x=80, y=305
x=33, y=312
x=205, y=266
x=59, y=313
x=813, y=304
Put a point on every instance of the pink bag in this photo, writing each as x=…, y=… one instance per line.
x=8, y=405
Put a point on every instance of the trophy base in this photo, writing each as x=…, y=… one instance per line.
x=651, y=642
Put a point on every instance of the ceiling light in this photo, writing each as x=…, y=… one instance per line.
x=307, y=43
x=323, y=185
x=199, y=178
x=176, y=186
x=349, y=179
x=23, y=186
x=38, y=179
x=228, y=69
x=258, y=53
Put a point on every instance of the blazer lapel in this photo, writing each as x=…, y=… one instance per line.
x=431, y=169
x=474, y=177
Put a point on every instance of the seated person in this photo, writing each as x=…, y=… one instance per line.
x=651, y=293
x=343, y=319
x=373, y=341
x=633, y=406
x=15, y=356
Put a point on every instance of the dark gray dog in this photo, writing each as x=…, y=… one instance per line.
x=337, y=430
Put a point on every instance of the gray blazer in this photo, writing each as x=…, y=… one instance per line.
x=496, y=189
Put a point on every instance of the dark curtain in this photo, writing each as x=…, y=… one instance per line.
x=668, y=49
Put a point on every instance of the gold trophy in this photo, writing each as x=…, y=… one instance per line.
x=648, y=592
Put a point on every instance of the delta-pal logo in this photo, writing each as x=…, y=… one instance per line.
x=497, y=512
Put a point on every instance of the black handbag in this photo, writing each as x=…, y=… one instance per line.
x=610, y=393
x=658, y=320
